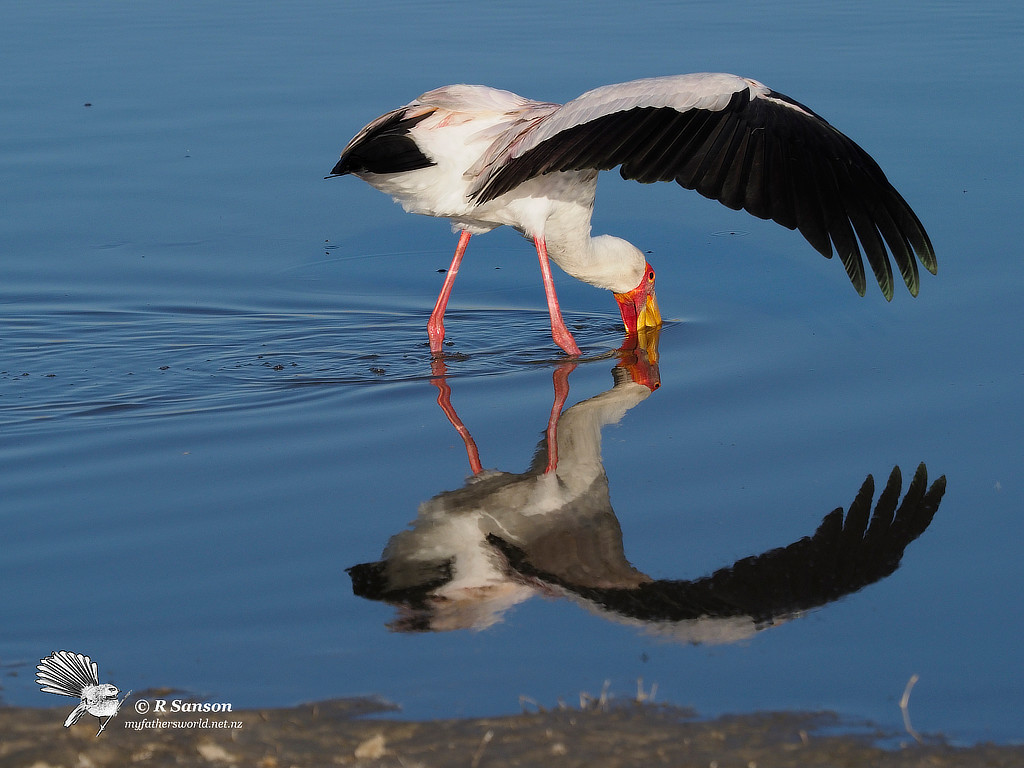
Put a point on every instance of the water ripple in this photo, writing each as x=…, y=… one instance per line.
x=171, y=360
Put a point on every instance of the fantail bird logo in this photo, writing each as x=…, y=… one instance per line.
x=72, y=674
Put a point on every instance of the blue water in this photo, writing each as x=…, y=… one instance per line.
x=216, y=394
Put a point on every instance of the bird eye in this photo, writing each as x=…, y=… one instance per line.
x=650, y=276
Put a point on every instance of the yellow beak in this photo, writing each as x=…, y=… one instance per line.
x=650, y=315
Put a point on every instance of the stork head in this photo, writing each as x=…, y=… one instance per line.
x=639, y=308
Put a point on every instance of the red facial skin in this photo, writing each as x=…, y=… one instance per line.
x=638, y=307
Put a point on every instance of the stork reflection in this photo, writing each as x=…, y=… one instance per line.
x=473, y=553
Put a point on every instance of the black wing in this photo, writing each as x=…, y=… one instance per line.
x=766, y=154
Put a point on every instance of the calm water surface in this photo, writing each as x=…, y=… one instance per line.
x=216, y=396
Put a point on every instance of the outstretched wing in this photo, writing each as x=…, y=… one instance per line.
x=843, y=556
x=736, y=141
x=67, y=673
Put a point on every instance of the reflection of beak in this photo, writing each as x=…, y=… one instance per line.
x=639, y=355
x=647, y=339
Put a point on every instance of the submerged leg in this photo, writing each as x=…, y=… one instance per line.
x=559, y=332
x=435, y=326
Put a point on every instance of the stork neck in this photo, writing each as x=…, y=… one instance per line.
x=603, y=261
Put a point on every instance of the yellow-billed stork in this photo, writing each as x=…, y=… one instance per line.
x=484, y=157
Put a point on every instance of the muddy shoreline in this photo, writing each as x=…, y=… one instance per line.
x=354, y=733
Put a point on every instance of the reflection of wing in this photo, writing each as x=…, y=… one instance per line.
x=413, y=584
x=841, y=557
x=66, y=673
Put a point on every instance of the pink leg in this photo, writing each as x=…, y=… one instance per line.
x=559, y=332
x=560, y=378
x=444, y=399
x=435, y=326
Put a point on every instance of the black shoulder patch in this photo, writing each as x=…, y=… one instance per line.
x=388, y=149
